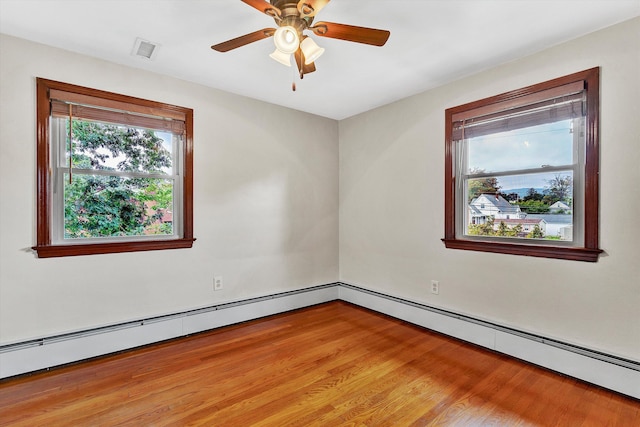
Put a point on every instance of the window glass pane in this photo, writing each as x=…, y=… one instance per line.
x=101, y=146
x=111, y=206
x=532, y=206
x=549, y=144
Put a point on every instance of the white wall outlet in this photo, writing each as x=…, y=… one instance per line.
x=435, y=287
x=217, y=283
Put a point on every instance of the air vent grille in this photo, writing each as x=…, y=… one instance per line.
x=145, y=49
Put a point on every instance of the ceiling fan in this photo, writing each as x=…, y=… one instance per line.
x=293, y=17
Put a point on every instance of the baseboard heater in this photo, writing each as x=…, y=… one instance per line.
x=74, y=335
x=538, y=338
x=616, y=373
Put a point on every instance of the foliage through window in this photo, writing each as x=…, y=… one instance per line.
x=521, y=171
x=114, y=172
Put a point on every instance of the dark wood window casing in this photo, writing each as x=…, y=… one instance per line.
x=521, y=98
x=111, y=107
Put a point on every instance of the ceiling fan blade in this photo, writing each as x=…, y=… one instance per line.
x=264, y=7
x=308, y=8
x=351, y=33
x=244, y=40
x=302, y=67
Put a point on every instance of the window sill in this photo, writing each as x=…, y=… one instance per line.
x=557, y=252
x=51, y=251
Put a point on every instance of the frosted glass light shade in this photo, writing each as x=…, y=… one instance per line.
x=283, y=58
x=311, y=50
x=286, y=39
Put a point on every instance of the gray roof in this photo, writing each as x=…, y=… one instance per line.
x=475, y=211
x=553, y=219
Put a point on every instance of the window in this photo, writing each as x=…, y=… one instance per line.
x=114, y=172
x=521, y=171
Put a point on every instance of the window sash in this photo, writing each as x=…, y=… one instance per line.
x=577, y=168
x=59, y=151
x=58, y=144
x=463, y=219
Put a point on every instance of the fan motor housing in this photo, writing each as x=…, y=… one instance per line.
x=291, y=16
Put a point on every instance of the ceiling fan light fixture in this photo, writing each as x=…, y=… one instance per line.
x=286, y=39
x=311, y=50
x=281, y=57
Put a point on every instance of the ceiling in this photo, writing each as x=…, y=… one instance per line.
x=432, y=42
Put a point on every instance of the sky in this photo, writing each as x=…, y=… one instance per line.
x=532, y=147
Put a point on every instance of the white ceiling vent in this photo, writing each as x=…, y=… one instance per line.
x=145, y=49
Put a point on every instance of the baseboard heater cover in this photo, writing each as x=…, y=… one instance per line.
x=618, y=374
x=48, y=352
x=608, y=371
x=538, y=338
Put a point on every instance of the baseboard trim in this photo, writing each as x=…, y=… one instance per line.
x=617, y=374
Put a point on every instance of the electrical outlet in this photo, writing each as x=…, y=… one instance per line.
x=435, y=287
x=217, y=283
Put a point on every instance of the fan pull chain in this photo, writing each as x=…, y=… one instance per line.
x=70, y=142
x=293, y=80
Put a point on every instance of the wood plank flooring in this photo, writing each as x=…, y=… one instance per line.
x=329, y=365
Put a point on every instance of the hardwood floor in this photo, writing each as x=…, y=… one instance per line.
x=329, y=365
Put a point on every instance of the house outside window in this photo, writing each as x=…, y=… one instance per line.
x=114, y=172
x=521, y=171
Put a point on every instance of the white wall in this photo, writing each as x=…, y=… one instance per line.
x=392, y=193
x=265, y=203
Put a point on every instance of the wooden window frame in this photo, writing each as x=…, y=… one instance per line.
x=44, y=247
x=590, y=250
